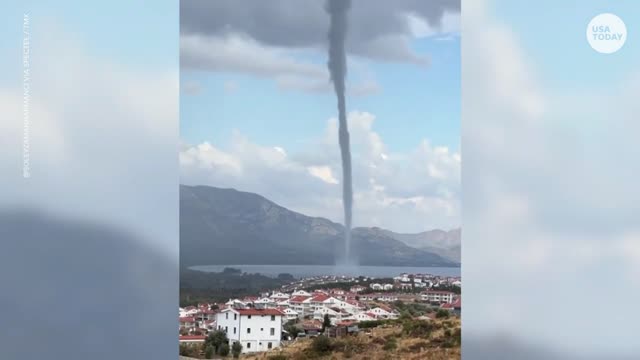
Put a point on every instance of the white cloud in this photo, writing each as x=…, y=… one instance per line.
x=324, y=173
x=420, y=28
x=243, y=54
x=236, y=53
x=391, y=190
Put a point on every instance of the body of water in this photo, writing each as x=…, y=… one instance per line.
x=300, y=271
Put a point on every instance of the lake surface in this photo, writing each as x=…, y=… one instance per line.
x=300, y=271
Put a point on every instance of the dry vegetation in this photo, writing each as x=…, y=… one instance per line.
x=400, y=340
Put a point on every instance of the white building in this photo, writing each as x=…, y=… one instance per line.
x=235, y=302
x=255, y=329
x=300, y=293
x=381, y=313
x=334, y=315
x=300, y=304
x=363, y=316
x=290, y=314
x=391, y=297
x=375, y=286
x=437, y=296
x=265, y=302
x=279, y=297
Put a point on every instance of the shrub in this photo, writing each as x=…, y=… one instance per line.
x=442, y=314
x=418, y=328
x=417, y=347
x=216, y=339
x=277, y=357
x=223, y=350
x=208, y=351
x=236, y=349
x=321, y=344
x=369, y=324
x=391, y=344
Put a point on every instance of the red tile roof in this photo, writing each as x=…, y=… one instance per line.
x=298, y=298
x=192, y=337
x=259, y=312
x=320, y=297
x=457, y=303
x=187, y=319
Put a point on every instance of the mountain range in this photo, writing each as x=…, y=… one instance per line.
x=227, y=226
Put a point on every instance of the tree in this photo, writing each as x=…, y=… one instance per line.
x=188, y=350
x=224, y=350
x=326, y=322
x=291, y=328
x=208, y=351
x=216, y=339
x=442, y=314
x=236, y=349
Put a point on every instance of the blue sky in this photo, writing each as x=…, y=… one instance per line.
x=134, y=36
x=555, y=40
x=415, y=102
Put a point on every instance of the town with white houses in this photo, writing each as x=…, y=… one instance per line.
x=258, y=323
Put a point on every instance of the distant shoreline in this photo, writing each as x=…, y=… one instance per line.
x=303, y=270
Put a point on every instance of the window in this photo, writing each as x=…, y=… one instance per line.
x=269, y=345
x=273, y=331
x=248, y=330
x=249, y=316
x=227, y=316
x=273, y=318
x=261, y=329
x=226, y=329
x=234, y=329
x=248, y=345
x=235, y=316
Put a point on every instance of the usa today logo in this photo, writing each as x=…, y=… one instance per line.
x=606, y=33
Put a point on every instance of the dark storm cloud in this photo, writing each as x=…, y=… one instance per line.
x=376, y=26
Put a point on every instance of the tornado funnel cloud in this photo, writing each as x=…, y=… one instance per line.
x=337, y=64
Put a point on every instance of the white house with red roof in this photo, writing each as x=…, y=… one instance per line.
x=456, y=305
x=187, y=322
x=336, y=291
x=383, y=312
x=236, y=302
x=364, y=316
x=319, y=300
x=289, y=314
x=265, y=302
x=279, y=296
x=255, y=329
x=299, y=304
x=301, y=293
